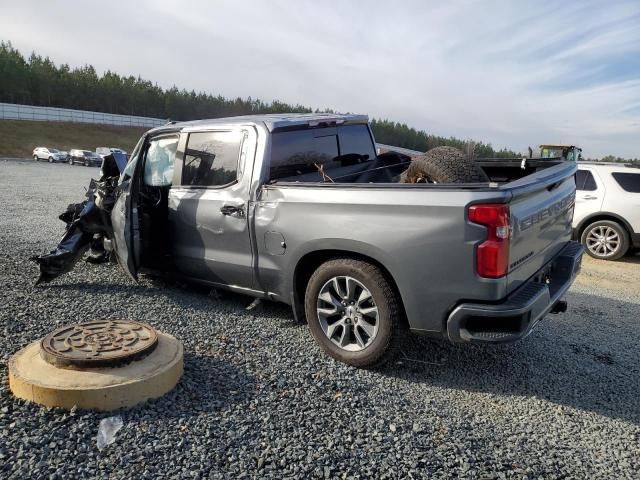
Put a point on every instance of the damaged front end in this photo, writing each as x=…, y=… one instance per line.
x=88, y=224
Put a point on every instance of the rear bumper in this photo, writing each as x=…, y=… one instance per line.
x=515, y=317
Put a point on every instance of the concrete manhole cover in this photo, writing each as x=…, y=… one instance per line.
x=102, y=343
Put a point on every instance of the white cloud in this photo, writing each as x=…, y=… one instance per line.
x=511, y=73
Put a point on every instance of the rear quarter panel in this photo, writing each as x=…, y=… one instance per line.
x=418, y=233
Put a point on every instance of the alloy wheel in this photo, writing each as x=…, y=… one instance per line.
x=603, y=241
x=347, y=313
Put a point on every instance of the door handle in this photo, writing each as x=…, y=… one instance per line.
x=590, y=197
x=233, y=210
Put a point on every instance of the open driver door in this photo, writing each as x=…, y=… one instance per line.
x=125, y=216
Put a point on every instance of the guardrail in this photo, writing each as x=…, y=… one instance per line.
x=12, y=111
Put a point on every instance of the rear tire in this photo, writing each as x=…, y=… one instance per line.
x=605, y=240
x=443, y=165
x=367, y=326
x=35, y=157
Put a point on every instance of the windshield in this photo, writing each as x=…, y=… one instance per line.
x=573, y=155
x=551, y=152
x=53, y=150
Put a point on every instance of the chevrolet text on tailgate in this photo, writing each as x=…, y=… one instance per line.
x=364, y=246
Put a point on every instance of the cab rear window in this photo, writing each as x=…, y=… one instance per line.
x=356, y=140
x=302, y=152
x=312, y=155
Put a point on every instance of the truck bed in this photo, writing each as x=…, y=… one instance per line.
x=392, y=161
x=420, y=232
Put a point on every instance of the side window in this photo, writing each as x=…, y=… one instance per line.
x=630, y=182
x=585, y=181
x=211, y=158
x=159, y=161
x=131, y=164
x=302, y=152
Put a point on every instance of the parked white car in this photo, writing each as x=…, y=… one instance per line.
x=607, y=213
x=104, y=151
x=49, y=154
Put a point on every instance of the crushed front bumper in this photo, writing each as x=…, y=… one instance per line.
x=515, y=317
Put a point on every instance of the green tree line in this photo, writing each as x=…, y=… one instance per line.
x=400, y=135
x=38, y=81
x=612, y=159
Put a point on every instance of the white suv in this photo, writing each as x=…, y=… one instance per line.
x=49, y=154
x=105, y=151
x=607, y=214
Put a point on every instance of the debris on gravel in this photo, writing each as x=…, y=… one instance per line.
x=259, y=400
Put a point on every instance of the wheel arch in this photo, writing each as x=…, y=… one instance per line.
x=599, y=216
x=308, y=264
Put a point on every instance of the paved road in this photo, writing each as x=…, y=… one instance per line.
x=259, y=399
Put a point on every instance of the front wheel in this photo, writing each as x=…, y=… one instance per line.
x=353, y=312
x=605, y=240
x=50, y=159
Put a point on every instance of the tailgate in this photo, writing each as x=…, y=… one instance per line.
x=541, y=214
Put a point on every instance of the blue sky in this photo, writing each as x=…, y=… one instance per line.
x=513, y=73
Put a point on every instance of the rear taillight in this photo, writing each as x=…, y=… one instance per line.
x=492, y=255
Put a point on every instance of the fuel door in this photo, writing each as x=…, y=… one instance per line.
x=274, y=243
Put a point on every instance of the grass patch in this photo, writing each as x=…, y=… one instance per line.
x=18, y=138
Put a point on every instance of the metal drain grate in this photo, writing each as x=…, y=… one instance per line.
x=101, y=343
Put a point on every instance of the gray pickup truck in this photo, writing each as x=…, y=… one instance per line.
x=302, y=209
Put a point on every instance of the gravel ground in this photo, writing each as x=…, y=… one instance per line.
x=258, y=399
